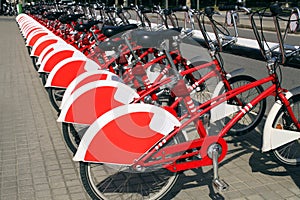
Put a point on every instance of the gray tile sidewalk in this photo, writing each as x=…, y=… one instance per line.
x=36, y=164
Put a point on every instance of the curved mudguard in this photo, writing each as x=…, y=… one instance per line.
x=85, y=78
x=93, y=99
x=272, y=137
x=28, y=31
x=20, y=17
x=68, y=69
x=45, y=52
x=55, y=46
x=223, y=109
x=29, y=27
x=34, y=36
x=125, y=134
x=27, y=24
x=59, y=53
x=42, y=43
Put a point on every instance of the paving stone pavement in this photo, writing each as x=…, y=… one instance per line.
x=36, y=164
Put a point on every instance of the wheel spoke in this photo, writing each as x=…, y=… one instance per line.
x=289, y=153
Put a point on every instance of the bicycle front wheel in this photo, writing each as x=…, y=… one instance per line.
x=252, y=118
x=289, y=153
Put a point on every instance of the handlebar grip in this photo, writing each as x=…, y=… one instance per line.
x=228, y=7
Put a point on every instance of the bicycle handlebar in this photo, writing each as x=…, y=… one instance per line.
x=284, y=50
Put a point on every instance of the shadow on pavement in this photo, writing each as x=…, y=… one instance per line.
x=238, y=146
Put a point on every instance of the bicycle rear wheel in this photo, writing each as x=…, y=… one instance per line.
x=289, y=153
x=55, y=96
x=252, y=118
x=72, y=134
x=103, y=181
x=34, y=61
x=44, y=77
x=111, y=181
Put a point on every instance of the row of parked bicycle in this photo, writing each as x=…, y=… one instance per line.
x=137, y=110
x=8, y=8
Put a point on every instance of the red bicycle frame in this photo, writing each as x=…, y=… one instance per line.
x=173, y=157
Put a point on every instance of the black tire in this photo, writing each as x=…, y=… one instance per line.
x=72, y=135
x=34, y=61
x=288, y=154
x=55, y=96
x=252, y=118
x=29, y=49
x=44, y=77
x=108, y=181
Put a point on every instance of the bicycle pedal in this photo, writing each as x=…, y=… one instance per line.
x=220, y=185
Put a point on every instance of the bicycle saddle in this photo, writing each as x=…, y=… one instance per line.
x=146, y=10
x=167, y=11
x=110, y=44
x=275, y=9
x=66, y=19
x=181, y=9
x=209, y=11
x=86, y=26
x=153, y=38
x=109, y=31
x=54, y=15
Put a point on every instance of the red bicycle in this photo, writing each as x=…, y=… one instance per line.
x=138, y=151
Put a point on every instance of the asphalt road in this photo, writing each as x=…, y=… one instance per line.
x=251, y=61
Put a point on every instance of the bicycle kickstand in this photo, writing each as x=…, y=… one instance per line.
x=213, y=153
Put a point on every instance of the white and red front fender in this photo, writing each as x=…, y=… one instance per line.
x=273, y=137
